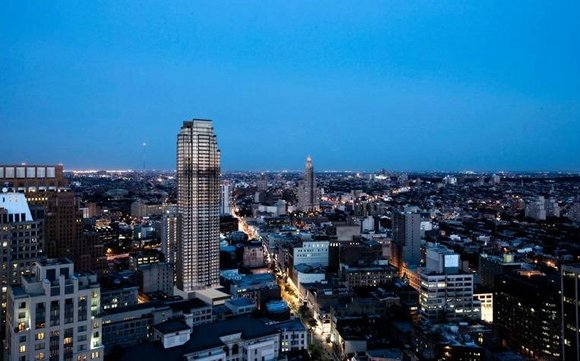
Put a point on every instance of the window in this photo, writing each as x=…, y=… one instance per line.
x=40, y=356
x=22, y=348
x=95, y=355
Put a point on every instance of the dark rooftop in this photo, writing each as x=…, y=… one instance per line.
x=171, y=326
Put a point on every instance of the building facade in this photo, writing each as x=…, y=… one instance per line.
x=226, y=198
x=571, y=312
x=527, y=313
x=406, y=245
x=445, y=293
x=308, y=194
x=21, y=244
x=54, y=315
x=198, y=206
x=51, y=200
x=169, y=237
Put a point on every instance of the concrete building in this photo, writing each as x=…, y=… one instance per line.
x=240, y=306
x=21, y=244
x=406, y=244
x=132, y=325
x=308, y=193
x=155, y=277
x=552, y=208
x=311, y=253
x=169, y=237
x=198, y=206
x=238, y=338
x=485, y=300
x=491, y=266
x=51, y=200
x=54, y=315
x=570, y=283
x=117, y=292
x=576, y=211
x=536, y=209
x=226, y=198
x=368, y=276
x=445, y=294
x=253, y=255
x=293, y=335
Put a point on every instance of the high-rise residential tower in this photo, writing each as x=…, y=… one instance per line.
x=308, y=195
x=21, y=244
x=571, y=311
x=226, y=198
x=406, y=245
x=198, y=206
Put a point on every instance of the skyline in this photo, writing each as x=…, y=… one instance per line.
x=359, y=86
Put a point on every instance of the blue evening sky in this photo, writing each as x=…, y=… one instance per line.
x=360, y=85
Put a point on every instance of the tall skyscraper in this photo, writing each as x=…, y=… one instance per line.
x=198, y=206
x=571, y=312
x=406, y=245
x=226, y=199
x=308, y=195
x=169, y=237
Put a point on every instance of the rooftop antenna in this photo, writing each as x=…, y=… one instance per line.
x=144, y=145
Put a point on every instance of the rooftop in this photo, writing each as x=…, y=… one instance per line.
x=203, y=337
x=171, y=326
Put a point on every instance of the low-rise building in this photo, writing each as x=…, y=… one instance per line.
x=293, y=335
x=240, y=338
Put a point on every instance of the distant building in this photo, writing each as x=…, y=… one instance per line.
x=140, y=209
x=54, y=315
x=552, y=208
x=226, y=198
x=169, y=237
x=406, y=244
x=253, y=255
x=576, y=211
x=198, y=206
x=536, y=209
x=570, y=284
x=308, y=194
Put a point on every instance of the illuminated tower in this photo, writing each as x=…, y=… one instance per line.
x=308, y=196
x=198, y=206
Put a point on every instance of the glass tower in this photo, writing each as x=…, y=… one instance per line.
x=198, y=206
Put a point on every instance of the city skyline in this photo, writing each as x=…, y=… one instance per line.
x=411, y=87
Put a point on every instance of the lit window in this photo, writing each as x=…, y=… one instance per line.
x=40, y=336
x=22, y=348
